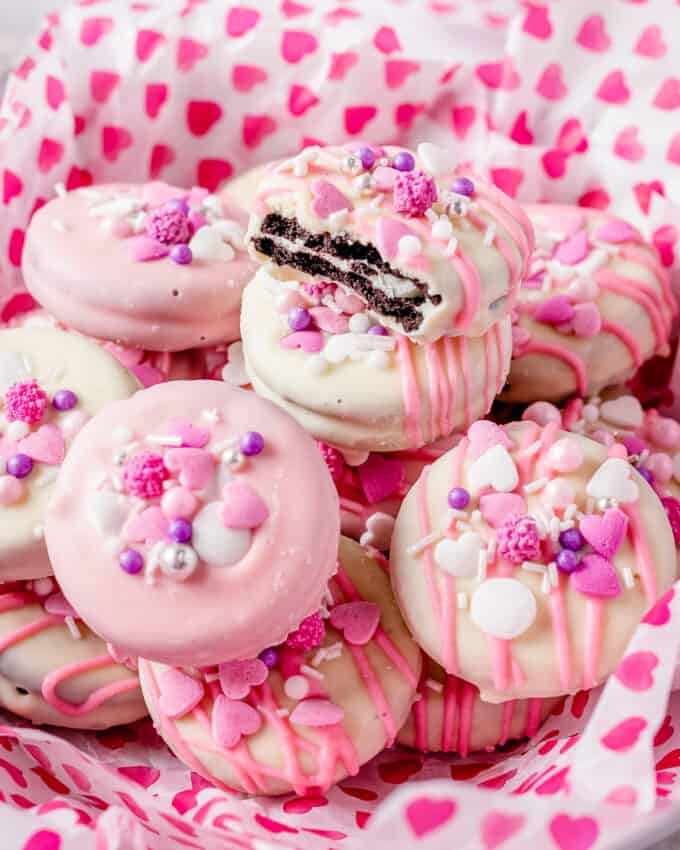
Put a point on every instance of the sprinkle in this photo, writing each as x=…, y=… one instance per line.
x=628, y=577
x=73, y=628
x=481, y=566
x=296, y=687
x=451, y=247
x=60, y=190
x=409, y=246
x=533, y=567
x=456, y=513
x=546, y=587
x=553, y=575
x=212, y=415
x=424, y=542
x=327, y=653
x=570, y=511
x=490, y=234
x=282, y=712
x=531, y=450
x=160, y=440
x=212, y=677
x=338, y=218
x=536, y=485
x=310, y=671
x=555, y=528
x=461, y=600
x=433, y=685
x=491, y=550
x=476, y=516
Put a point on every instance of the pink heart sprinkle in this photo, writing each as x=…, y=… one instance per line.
x=45, y=445
x=328, y=321
x=148, y=526
x=381, y=477
x=357, y=620
x=242, y=506
x=495, y=507
x=388, y=232
x=327, y=199
x=555, y=311
x=484, y=435
x=596, y=577
x=194, y=467
x=586, y=321
x=310, y=342
x=573, y=250
x=616, y=231
x=143, y=248
x=232, y=720
x=59, y=605
x=238, y=677
x=191, y=436
x=179, y=693
x=348, y=302
x=605, y=533
x=316, y=712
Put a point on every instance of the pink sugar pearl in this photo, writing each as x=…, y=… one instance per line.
x=565, y=455
x=12, y=490
x=25, y=402
x=309, y=634
x=558, y=493
x=179, y=503
x=144, y=474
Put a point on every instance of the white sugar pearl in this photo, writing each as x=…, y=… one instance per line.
x=316, y=364
x=296, y=687
x=409, y=246
x=378, y=360
x=442, y=229
x=503, y=608
x=359, y=323
x=17, y=430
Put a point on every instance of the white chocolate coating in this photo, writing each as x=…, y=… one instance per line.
x=57, y=360
x=418, y=393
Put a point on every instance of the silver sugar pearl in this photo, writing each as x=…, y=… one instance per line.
x=352, y=164
x=178, y=561
x=233, y=458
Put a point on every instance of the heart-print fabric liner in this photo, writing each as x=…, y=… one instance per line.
x=183, y=91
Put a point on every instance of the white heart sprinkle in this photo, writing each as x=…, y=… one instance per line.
x=612, y=480
x=107, y=511
x=503, y=608
x=438, y=161
x=234, y=372
x=13, y=368
x=625, y=411
x=494, y=468
x=459, y=557
x=379, y=528
x=208, y=244
x=409, y=246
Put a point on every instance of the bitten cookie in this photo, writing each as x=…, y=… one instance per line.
x=430, y=251
x=596, y=304
x=147, y=266
x=205, y=512
x=524, y=559
x=51, y=383
x=304, y=714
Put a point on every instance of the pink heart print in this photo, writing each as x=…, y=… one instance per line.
x=238, y=677
x=296, y=44
x=232, y=720
x=426, y=814
x=571, y=833
x=550, y=84
x=597, y=578
x=195, y=467
x=358, y=621
x=605, y=533
x=179, y=693
x=593, y=34
x=636, y=671
x=381, y=477
x=499, y=827
x=624, y=735
x=45, y=445
x=327, y=199
x=242, y=506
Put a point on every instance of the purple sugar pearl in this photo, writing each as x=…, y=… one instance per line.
x=252, y=443
x=131, y=561
x=567, y=561
x=179, y=204
x=180, y=530
x=299, y=318
x=269, y=657
x=19, y=465
x=367, y=157
x=403, y=161
x=647, y=474
x=572, y=539
x=463, y=186
x=181, y=254
x=458, y=498
x=377, y=330
x=64, y=400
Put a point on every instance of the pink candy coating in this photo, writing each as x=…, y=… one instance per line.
x=179, y=503
x=566, y=455
x=25, y=401
x=414, y=193
x=309, y=634
x=144, y=474
x=12, y=490
x=518, y=539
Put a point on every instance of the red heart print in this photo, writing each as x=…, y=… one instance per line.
x=554, y=163
x=340, y=64
x=212, y=172
x=573, y=833
x=668, y=95
x=16, y=246
x=537, y=21
x=670, y=761
x=406, y=113
x=507, y=179
x=54, y=92
x=300, y=99
x=45, y=40
x=463, y=117
x=78, y=125
x=499, y=827
x=20, y=302
x=520, y=131
x=357, y=117
x=102, y=84
x=636, y=670
x=202, y=115
x=596, y=199
x=155, y=96
x=189, y=52
x=78, y=177
x=142, y=775
x=255, y=128
x=49, y=154
x=273, y=825
x=244, y=78
x=296, y=44
x=44, y=839
x=651, y=43
x=12, y=186
x=386, y=40
x=240, y=20
x=426, y=814
x=625, y=735
x=627, y=145
x=92, y=29
x=399, y=771
x=593, y=35
x=161, y=155
x=498, y=75
x=115, y=140
x=303, y=805
x=147, y=41
x=398, y=70
x=665, y=732
x=571, y=137
x=550, y=84
x=613, y=89
x=664, y=239
x=553, y=784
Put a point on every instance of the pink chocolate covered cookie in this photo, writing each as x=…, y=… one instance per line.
x=149, y=266
x=206, y=513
